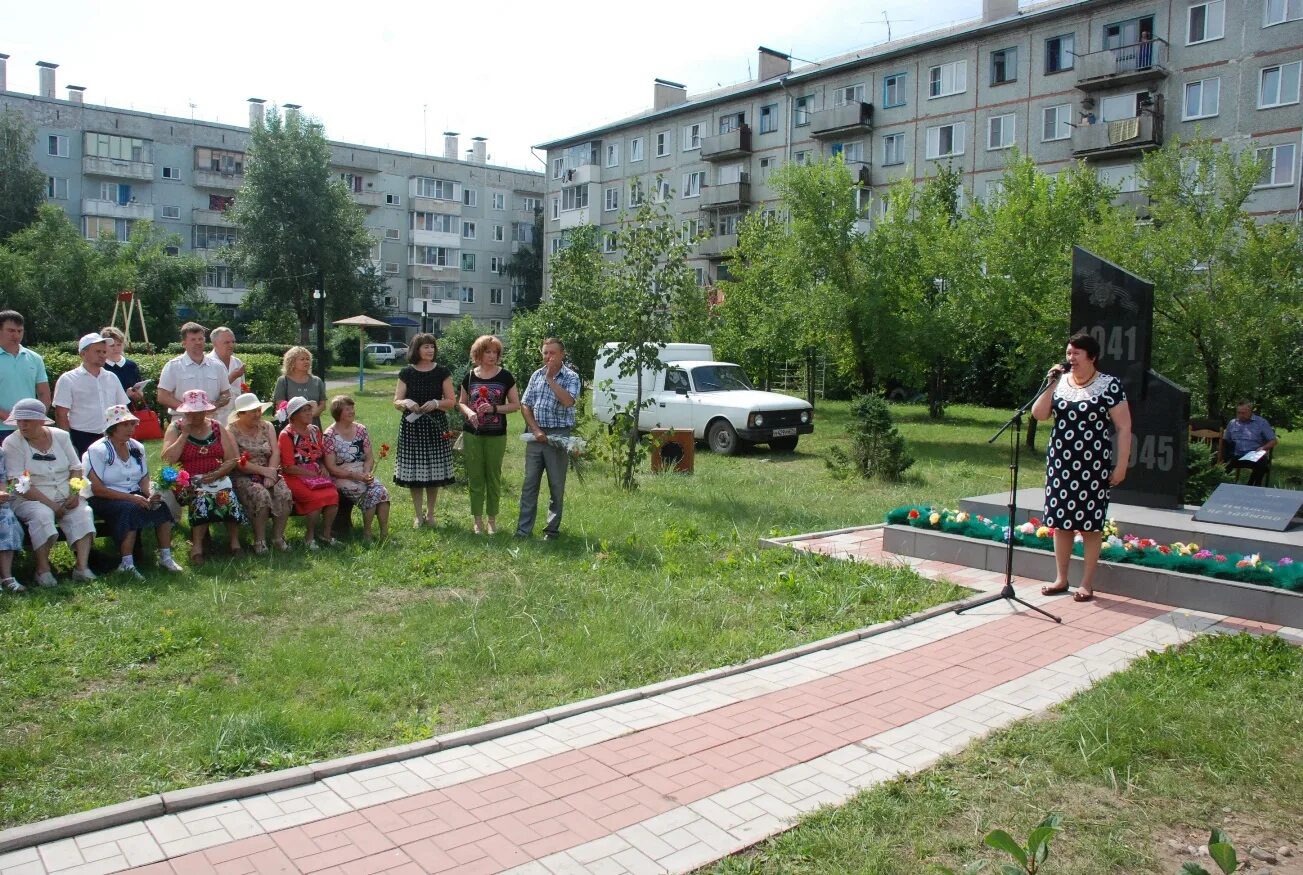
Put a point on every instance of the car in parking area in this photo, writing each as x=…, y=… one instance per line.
x=386, y=353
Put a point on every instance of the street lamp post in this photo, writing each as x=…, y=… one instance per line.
x=425, y=315
x=319, y=297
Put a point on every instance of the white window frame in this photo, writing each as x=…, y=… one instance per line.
x=466, y=294
x=768, y=120
x=393, y=200
x=393, y=234
x=174, y=214
x=1286, y=10
x=691, y=137
x=1214, y=22
x=1280, y=93
x=495, y=326
x=1012, y=75
x=468, y=230
x=662, y=143
x=556, y=208
x=663, y=192
x=899, y=156
x=470, y=197
x=1006, y=120
x=609, y=242
x=574, y=197
x=1215, y=89
x=54, y=185
x=60, y=143
x=958, y=135
x=467, y=262
x=611, y=199
x=994, y=188
x=894, y=82
x=613, y=154
x=802, y=108
x=500, y=233
x=801, y=157
x=693, y=183
x=635, y=150
x=766, y=167
x=852, y=152
x=495, y=264
x=391, y=267
x=849, y=94
x=1062, y=122
x=499, y=201
x=495, y=296
x=1275, y=164
x=954, y=71
x=172, y=173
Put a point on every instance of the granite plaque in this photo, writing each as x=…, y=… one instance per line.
x=1159, y=442
x=1253, y=507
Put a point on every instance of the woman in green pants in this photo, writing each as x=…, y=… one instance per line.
x=487, y=395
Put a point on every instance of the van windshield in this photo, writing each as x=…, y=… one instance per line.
x=719, y=378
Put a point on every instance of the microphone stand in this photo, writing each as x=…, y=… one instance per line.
x=1007, y=592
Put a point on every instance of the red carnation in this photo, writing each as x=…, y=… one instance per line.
x=913, y=514
x=1164, y=549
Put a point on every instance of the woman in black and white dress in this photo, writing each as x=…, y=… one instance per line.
x=1088, y=405
x=423, y=394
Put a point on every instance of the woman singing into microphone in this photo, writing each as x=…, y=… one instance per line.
x=1079, y=465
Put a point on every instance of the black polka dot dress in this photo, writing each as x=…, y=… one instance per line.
x=1080, y=457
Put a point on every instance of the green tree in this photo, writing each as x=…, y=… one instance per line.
x=22, y=183
x=526, y=266
x=572, y=312
x=59, y=281
x=298, y=227
x=161, y=282
x=455, y=345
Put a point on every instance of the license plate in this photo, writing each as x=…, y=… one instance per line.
x=784, y=432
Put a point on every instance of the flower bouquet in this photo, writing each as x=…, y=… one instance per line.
x=20, y=484
x=573, y=447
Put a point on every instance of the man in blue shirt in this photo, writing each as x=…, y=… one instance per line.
x=1249, y=433
x=548, y=406
x=22, y=372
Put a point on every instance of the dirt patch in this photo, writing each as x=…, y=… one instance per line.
x=1282, y=849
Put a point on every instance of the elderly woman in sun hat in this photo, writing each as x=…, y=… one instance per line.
x=11, y=536
x=257, y=475
x=303, y=455
x=206, y=453
x=120, y=491
x=41, y=465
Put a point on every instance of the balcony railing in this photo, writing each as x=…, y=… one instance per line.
x=433, y=273
x=732, y=144
x=730, y=194
x=368, y=199
x=716, y=245
x=575, y=218
x=115, y=210
x=1138, y=62
x=221, y=181
x=211, y=217
x=434, y=306
x=445, y=239
x=859, y=170
x=1121, y=137
x=92, y=165
x=421, y=204
x=851, y=118
x=581, y=175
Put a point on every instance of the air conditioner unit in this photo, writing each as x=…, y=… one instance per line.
x=391, y=302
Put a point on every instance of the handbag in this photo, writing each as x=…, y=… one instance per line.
x=318, y=483
x=148, y=428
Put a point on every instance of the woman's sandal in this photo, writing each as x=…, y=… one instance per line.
x=196, y=559
x=1054, y=590
x=1080, y=596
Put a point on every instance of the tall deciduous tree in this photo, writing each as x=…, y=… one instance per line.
x=298, y=226
x=22, y=184
x=526, y=267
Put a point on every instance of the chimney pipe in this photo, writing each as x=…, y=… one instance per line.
x=995, y=10
x=47, y=78
x=667, y=94
x=292, y=111
x=255, y=111
x=76, y=93
x=773, y=64
x=4, y=63
x=479, y=150
x=450, y=145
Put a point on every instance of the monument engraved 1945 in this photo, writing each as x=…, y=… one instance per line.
x=1117, y=309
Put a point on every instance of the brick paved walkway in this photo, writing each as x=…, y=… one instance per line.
x=668, y=783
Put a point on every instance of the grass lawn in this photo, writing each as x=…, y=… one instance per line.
x=1140, y=766
x=344, y=372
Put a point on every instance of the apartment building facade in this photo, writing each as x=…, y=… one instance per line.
x=1101, y=81
x=444, y=226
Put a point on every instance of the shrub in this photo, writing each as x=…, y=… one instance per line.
x=877, y=449
x=261, y=370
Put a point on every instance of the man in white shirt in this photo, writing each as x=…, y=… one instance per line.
x=223, y=341
x=83, y=394
x=193, y=369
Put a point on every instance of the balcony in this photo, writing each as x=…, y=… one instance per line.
x=730, y=194
x=723, y=147
x=353, y=158
x=1124, y=65
x=219, y=181
x=433, y=273
x=434, y=307
x=92, y=165
x=115, y=210
x=581, y=175
x=859, y=171
x=848, y=120
x=1117, y=138
x=1134, y=200
x=223, y=295
x=445, y=239
x=575, y=218
x=716, y=245
x=368, y=199
x=421, y=204
x=211, y=217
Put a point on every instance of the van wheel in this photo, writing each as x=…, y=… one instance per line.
x=723, y=439
x=784, y=445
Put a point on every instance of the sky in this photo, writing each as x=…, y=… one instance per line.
x=399, y=74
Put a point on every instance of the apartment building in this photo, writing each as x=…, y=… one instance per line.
x=444, y=226
x=1096, y=80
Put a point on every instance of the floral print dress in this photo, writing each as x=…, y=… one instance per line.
x=215, y=501
x=351, y=456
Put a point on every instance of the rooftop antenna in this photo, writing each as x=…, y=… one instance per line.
x=192, y=110
x=887, y=22
x=425, y=129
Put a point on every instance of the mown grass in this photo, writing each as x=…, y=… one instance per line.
x=1202, y=735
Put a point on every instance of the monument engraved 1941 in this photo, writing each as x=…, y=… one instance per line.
x=1117, y=309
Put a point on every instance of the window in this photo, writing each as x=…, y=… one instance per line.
x=56, y=188
x=439, y=189
x=1281, y=11
x=393, y=234
x=1278, y=165
x=219, y=276
x=849, y=94
x=352, y=181
x=172, y=250
x=731, y=122
x=1120, y=106
x=663, y=192
x=96, y=227
x=558, y=167
x=946, y=79
x=434, y=256
x=662, y=144
x=574, y=198
x=116, y=148
x=609, y=243
x=171, y=212
x=1004, y=66
x=517, y=294
x=1127, y=33
x=393, y=200
x=499, y=233
x=495, y=296
x=691, y=229
x=556, y=207
x=558, y=243
x=469, y=197
x=691, y=137
x=1278, y=86
x=468, y=261
x=944, y=141
x=222, y=161
x=635, y=149
x=612, y=154
x=1059, y=53
x=211, y=237
x=893, y=149
x=466, y=294
x=692, y=183
x=1056, y=122
x=1121, y=176
x=801, y=110
x=440, y=222
x=893, y=90
x=994, y=188
x=496, y=263
x=766, y=167
x=1206, y=22
x=1202, y=98
x=999, y=131
x=530, y=204
x=611, y=199
x=171, y=172
x=636, y=193
x=468, y=230
x=56, y=145
x=699, y=273
x=499, y=201
x=769, y=118
x=801, y=157
x=726, y=225
x=850, y=152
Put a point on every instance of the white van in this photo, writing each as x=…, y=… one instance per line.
x=714, y=400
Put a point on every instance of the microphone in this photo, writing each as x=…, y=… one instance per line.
x=1061, y=368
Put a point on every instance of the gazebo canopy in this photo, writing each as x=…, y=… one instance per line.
x=362, y=321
